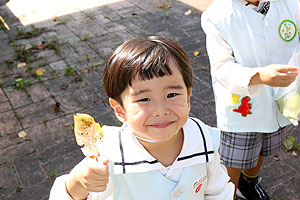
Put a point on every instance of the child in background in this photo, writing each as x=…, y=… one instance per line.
x=159, y=152
x=249, y=44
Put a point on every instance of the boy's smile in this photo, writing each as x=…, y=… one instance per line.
x=156, y=109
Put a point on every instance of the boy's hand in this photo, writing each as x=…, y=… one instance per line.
x=275, y=75
x=87, y=176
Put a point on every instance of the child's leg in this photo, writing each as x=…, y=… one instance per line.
x=234, y=174
x=253, y=172
x=240, y=151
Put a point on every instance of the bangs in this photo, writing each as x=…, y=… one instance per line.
x=144, y=59
x=153, y=63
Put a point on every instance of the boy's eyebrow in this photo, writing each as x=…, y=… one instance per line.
x=138, y=92
x=175, y=87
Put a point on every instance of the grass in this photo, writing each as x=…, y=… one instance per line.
x=85, y=37
x=87, y=57
x=55, y=44
x=29, y=32
x=69, y=71
x=24, y=53
x=64, y=20
x=52, y=173
x=22, y=84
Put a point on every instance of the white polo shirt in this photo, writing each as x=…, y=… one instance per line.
x=132, y=168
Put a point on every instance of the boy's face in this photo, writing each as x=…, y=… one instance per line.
x=155, y=109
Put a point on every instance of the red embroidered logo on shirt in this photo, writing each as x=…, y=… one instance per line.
x=198, y=188
x=198, y=184
x=245, y=107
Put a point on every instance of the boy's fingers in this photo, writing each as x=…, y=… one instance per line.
x=101, y=170
x=98, y=188
x=289, y=69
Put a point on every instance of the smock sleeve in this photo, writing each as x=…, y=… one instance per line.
x=218, y=186
x=58, y=190
x=224, y=67
x=297, y=7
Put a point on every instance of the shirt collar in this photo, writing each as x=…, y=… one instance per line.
x=261, y=3
x=132, y=157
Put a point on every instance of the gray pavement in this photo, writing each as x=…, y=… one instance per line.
x=70, y=53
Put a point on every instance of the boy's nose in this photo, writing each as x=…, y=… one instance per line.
x=160, y=110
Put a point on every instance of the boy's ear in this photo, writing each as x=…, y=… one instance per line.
x=189, y=94
x=119, y=111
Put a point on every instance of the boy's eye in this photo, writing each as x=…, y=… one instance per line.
x=144, y=100
x=171, y=95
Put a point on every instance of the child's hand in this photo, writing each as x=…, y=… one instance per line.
x=87, y=176
x=275, y=75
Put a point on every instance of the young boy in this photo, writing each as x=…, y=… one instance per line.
x=159, y=152
x=249, y=44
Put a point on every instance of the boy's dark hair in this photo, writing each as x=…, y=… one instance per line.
x=146, y=57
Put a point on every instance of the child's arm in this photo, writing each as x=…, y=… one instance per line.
x=275, y=75
x=234, y=76
x=297, y=7
x=224, y=68
x=87, y=176
x=218, y=186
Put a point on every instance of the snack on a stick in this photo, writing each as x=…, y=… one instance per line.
x=87, y=133
x=289, y=106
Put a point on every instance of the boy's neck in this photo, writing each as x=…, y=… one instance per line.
x=254, y=3
x=165, y=152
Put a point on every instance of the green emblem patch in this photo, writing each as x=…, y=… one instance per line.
x=287, y=30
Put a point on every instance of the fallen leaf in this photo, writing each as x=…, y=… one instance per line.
x=28, y=47
x=64, y=86
x=67, y=124
x=19, y=76
x=21, y=65
x=13, y=136
x=95, y=100
x=19, y=189
x=276, y=157
x=157, y=3
x=196, y=53
x=22, y=134
x=188, y=12
x=288, y=143
x=2, y=73
x=41, y=46
x=56, y=107
x=81, y=21
x=40, y=72
x=295, y=154
x=1, y=83
x=78, y=72
x=163, y=6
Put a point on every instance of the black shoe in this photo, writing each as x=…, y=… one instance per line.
x=237, y=198
x=251, y=191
